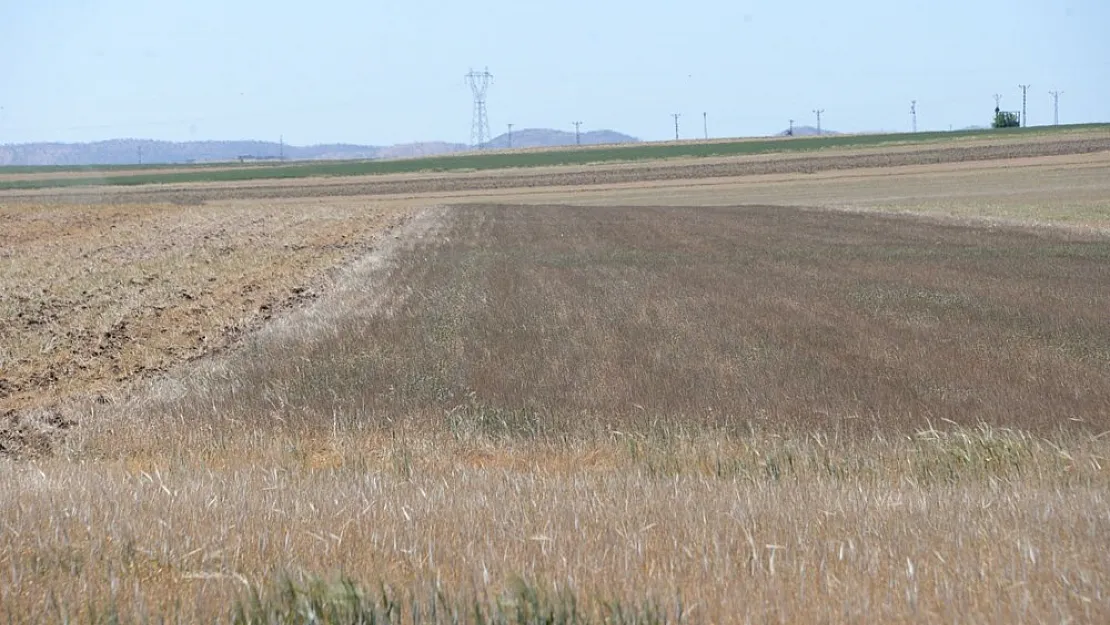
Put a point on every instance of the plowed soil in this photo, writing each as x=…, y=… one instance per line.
x=92, y=297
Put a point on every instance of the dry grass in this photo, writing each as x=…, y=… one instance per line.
x=723, y=414
x=557, y=320
x=983, y=526
x=1071, y=191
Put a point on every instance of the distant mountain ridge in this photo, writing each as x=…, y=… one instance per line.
x=133, y=151
x=147, y=151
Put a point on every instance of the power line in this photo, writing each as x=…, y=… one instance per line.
x=577, y=133
x=479, y=125
x=1024, y=90
x=676, y=116
x=818, y=113
x=1055, y=107
x=913, y=113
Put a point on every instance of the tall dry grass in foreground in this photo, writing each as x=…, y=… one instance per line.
x=982, y=526
x=737, y=415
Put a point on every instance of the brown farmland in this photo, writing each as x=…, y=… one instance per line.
x=95, y=296
x=730, y=400
x=552, y=319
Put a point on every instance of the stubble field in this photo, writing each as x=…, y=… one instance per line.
x=767, y=398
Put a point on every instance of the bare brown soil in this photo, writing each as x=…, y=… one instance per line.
x=93, y=297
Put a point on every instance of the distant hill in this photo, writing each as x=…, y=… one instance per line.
x=548, y=138
x=129, y=151
x=806, y=131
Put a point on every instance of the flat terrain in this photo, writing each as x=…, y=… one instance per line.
x=573, y=166
x=722, y=316
x=95, y=296
x=100, y=292
x=876, y=393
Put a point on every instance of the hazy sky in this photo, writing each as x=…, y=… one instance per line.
x=391, y=71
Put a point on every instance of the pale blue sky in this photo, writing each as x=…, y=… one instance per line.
x=392, y=71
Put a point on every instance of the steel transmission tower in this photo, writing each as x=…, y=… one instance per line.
x=818, y=113
x=676, y=116
x=913, y=113
x=1055, y=107
x=577, y=133
x=1024, y=90
x=479, y=126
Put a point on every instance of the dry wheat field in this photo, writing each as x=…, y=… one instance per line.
x=876, y=394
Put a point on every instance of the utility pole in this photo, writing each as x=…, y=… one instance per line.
x=676, y=116
x=1024, y=90
x=790, y=131
x=510, y=136
x=1055, y=107
x=577, y=133
x=818, y=112
x=479, y=125
x=913, y=112
x=705, y=124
